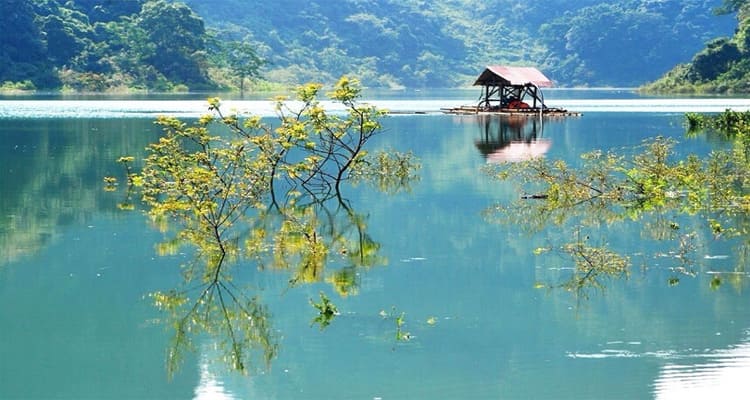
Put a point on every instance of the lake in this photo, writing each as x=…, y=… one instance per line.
x=76, y=271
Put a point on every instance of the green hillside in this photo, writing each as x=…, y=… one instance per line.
x=445, y=42
x=88, y=45
x=723, y=66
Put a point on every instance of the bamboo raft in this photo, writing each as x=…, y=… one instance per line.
x=530, y=112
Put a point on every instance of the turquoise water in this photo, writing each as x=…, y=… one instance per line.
x=75, y=273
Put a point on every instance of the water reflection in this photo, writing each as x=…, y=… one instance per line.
x=495, y=336
x=265, y=196
x=320, y=241
x=52, y=171
x=511, y=138
x=210, y=386
x=647, y=184
x=719, y=374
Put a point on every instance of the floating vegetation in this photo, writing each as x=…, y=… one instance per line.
x=327, y=311
x=646, y=185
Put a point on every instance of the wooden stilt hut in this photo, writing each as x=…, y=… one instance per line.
x=511, y=90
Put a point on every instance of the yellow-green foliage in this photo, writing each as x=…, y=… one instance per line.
x=648, y=185
x=238, y=188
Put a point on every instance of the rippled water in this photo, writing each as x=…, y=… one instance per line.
x=75, y=272
x=718, y=374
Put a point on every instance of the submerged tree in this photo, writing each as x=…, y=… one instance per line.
x=240, y=190
x=648, y=184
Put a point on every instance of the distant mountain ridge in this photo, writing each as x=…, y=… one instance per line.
x=446, y=42
x=167, y=45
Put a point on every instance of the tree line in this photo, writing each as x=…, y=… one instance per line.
x=445, y=43
x=723, y=66
x=87, y=45
x=165, y=45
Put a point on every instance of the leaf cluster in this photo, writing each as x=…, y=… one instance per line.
x=614, y=186
x=327, y=311
x=593, y=266
x=728, y=123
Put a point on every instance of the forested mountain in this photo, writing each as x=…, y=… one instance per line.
x=98, y=45
x=167, y=45
x=723, y=66
x=445, y=42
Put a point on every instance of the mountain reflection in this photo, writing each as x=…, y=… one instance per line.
x=52, y=173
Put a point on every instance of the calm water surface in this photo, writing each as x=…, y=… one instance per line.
x=75, y=272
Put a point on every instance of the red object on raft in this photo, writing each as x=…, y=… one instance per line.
x=516, y=104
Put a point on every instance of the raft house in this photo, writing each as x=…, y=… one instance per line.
x=513, y=91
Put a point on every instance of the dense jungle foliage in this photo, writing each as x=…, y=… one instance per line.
x=445, y=43
x=723, y=66
x=87, y=45
x=163, y=45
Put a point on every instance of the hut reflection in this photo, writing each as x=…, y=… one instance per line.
x=511, y=138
